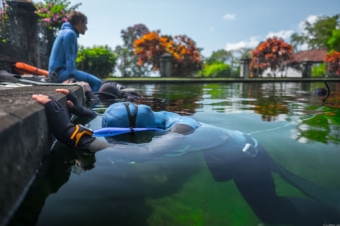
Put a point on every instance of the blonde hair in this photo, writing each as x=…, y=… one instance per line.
x=75, y=17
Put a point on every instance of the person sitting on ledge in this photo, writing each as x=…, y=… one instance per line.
x=62, y=63
x=229, y=155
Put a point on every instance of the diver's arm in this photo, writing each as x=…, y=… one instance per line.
x=159, y=146
x=77, y=137
x=58, y=122
x=67, y=133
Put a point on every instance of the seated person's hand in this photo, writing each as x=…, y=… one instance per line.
x=64, y=91
x=42, y=99
x=71, y=80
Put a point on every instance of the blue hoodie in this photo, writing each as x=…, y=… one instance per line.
x=64, y=51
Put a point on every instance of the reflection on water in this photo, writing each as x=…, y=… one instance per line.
x=298, y=130
x=272, y=101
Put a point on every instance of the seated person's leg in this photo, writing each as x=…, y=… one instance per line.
x=63, y=76
x=94, y=82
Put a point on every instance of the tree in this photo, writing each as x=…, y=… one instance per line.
x=213, y=63
x=244, y=52
x=219, y=56
x=271, y=53
x=334, y=41
x=333, y=61
x=98, y=60
x=127, y=60
x=316, y=35
x=186, y=56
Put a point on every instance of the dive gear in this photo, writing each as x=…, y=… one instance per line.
x=78, y=133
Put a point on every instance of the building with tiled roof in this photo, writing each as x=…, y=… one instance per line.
x=313, y=56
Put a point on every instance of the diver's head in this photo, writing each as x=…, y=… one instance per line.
x=110, y=87
x=128, y=115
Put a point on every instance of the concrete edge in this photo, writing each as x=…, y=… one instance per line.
x=25, y=140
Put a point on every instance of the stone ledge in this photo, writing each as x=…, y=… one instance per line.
x=24, y=140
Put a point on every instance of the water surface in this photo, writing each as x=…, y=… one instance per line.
x=300, y=131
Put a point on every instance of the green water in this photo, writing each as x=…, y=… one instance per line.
x=298, y=130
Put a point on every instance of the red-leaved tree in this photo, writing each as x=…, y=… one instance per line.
x=271, y=53
x=333, y=62
x=186, y=57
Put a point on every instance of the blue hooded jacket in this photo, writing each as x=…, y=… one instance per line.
x=65, y=50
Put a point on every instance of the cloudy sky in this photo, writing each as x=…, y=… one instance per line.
x=213, y=24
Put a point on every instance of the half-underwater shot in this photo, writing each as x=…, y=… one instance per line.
x=152, y=113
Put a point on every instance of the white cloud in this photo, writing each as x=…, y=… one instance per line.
x=280, y=34
x=311, y=19
x=229, y=16
x=251, y=43
x=211, y=28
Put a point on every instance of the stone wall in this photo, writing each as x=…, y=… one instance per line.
x=24, y=141
x=24, y=45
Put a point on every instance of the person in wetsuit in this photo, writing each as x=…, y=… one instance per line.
x=62, y=63
x=229, y=155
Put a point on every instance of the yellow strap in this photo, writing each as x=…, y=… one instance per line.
x=78, y=135
x=75, y=132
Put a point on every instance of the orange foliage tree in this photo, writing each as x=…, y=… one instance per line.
x=271, y=53
x=333, y=61
x=186, y=57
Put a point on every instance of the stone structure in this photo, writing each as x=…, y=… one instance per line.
x=307, y=69
x=306, y=59
x=245, y=69
x=24, y=140
x=24, y=31
x=166, y=65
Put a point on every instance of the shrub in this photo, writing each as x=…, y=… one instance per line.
x=98, y=60
x=217, y=69
x=319, y=70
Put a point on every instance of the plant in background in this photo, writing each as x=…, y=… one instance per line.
x=217, y=69
x=319, y=70
x=127, y=62
x=333, y=63
x=5, y=27
x=317, y=34
x=186, y=56
x=334, y=41
x=231, y=58
x=98, y=60
x=53, y=13
x=271, y=53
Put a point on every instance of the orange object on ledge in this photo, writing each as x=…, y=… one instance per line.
x=23, y=68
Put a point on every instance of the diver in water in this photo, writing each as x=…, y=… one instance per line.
x=229, y=155
x=108, y=91
x=322, y=92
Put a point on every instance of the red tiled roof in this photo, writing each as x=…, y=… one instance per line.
x=315, y=55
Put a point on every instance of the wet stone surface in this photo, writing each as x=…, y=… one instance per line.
x=18, y=97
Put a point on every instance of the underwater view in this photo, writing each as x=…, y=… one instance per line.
x=287, y=174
